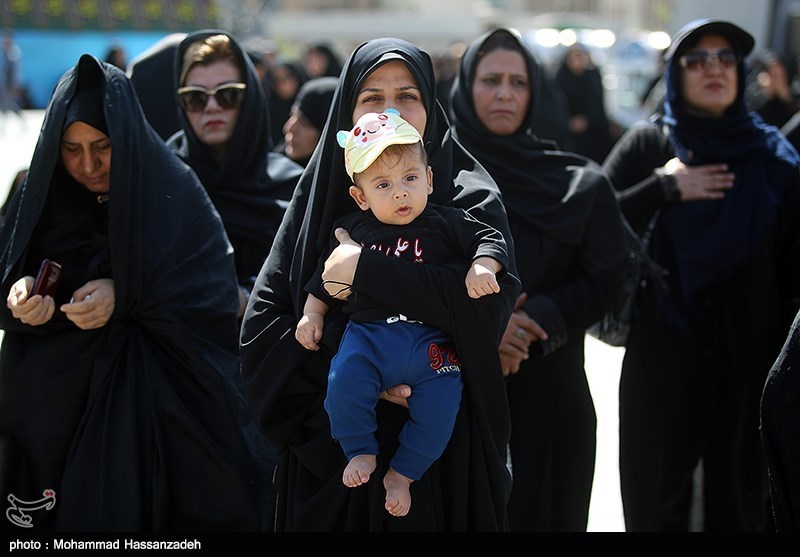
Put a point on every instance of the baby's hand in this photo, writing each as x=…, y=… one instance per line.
x=309, y=330
x=481, y=280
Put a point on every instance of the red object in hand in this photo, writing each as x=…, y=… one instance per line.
x=48, y=278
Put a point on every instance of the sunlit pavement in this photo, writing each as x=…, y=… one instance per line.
x=603, y=363
x=17, y=141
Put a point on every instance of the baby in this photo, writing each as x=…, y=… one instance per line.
x=387, y=162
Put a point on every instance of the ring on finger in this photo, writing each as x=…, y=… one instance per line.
x=520, y=333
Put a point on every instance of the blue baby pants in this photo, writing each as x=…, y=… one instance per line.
x=375, y=356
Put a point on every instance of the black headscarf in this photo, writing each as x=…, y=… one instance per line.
x=252, y=187
x=467, y=488
x=129, y=423
x=584, y=95
x=529, y=170
x=87, y=105
x=334, y=66
x=704, y=239
x=314, y=101
x=280, y=107
x=151, y=74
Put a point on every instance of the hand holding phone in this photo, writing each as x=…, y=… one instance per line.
x=48, y=279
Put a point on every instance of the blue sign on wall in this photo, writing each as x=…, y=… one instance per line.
x=47, y=54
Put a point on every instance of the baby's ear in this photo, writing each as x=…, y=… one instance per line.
x=341, y=137
x=358, y=196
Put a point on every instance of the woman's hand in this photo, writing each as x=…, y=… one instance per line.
x=520, y=332
x=340, y=267
x=697, y=183
x=92, y=304
x=35, y=310
x=397, y=394
x=578, y=124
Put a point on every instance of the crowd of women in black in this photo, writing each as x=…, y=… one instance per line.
x=161, y=387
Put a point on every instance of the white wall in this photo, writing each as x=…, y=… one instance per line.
x=431, y=30
x=751, y=15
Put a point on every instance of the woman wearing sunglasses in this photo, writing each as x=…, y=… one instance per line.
x=225, y=139
x=724, y=190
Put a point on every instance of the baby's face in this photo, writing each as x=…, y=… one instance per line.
x=395, y=187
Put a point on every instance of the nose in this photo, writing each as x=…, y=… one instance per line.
x=89, y=162
x=504, y=90
x=713, y=62
x=289, y=125
x=400, y=193
x=212, y=104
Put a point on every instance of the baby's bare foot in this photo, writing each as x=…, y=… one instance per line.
x=358, y=470
x=398, y=493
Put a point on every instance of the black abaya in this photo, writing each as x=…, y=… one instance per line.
x=568, y=235
x=129, y=423
x=251, y=190
x=780, y=432
x=698, y=353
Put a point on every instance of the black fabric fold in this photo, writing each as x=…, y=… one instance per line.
x=780, y=430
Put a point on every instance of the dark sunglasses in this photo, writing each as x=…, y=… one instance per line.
x=701, y=59
x=195, y=98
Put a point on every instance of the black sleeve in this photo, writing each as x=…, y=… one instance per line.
x=478, y=239
x=630, y=166
x=589, y=290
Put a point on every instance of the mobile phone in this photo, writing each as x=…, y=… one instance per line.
x=48, y=278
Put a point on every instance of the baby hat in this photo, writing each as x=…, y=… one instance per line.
x=372, y=134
